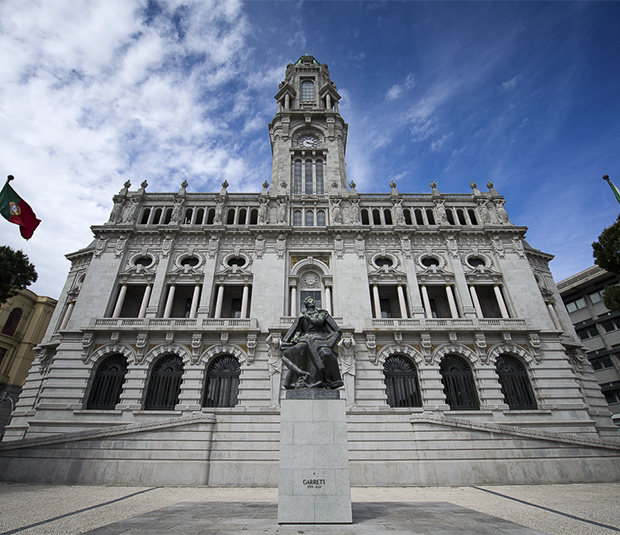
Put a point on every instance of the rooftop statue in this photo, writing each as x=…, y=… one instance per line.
x=308, y=350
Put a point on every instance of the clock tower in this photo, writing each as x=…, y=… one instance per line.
x=308, y=136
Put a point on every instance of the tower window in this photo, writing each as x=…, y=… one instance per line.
x=309, y=218
x=319, y=177
x=297, y=218
x=297, y=178
x=308, y=188
x=307, y=91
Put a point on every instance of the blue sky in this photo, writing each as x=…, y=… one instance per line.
x=524, y=94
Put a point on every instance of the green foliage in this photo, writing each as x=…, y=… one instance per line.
x=607, y=249
x=606, y=253
x=16, y=272
x=611, y=297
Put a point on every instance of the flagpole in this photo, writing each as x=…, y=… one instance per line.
x=613, y=187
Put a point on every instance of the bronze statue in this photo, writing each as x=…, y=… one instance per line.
x=308, y=350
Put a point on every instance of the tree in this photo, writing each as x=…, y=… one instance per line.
x=606, y=253
x=16, y=272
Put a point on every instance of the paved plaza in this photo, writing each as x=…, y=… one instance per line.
x=583, y=509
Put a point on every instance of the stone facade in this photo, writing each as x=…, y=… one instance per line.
x=459, y=360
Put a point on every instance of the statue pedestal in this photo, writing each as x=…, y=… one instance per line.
x=315, y=487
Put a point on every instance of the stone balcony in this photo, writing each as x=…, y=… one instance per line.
x=441, y=324
x=178, y=324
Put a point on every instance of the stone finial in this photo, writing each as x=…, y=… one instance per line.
x=144, y=184
x=433, y=186
x=352, y=184
x=224, y=186
x=474, y=188
x=265, y=184
x=127, y=184
x=492, y=191
x=393, y=186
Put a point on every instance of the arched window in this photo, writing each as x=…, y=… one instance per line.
x=165, y=383
x=458, y=383
x=308, y=178
x=307, y=91
x=145, y=216
x=105, y=392
x=515, y=383
x=309, y=218
x=320, y=188
x=222, y=382
x=297, y=178
x=12, y=322
x=320, y=218
x=297, y=218
x=401, y=382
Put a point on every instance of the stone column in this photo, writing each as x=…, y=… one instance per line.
x=287, y=101
x=293, y=300
x=145, y=301
x=244, y=301
x=401, y=301
x=554, y=316
x=169, y=301
x=474, y=298
x=219, y=302
x=67, y=316
x=119, y=301
x=377, y=301
x=500, y=301
x=328, y=299
x=427, y=303
x=195, y=296
x=451, y=301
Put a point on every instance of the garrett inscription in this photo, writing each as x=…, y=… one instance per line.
x=313, y=483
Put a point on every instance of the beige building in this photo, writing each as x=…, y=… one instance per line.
x=162, y=363
x=24, y=319
x=597, y=327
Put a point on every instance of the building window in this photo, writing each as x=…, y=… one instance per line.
x=596, y=297
x=458, y=383
x=391, y=302
x=319, y=178
x=132, y=301
x=308, y=178
x=320, y=218
x=611, y=325
x=165, y=383
x=611, y=391
x=401, y=382
x=297, y=215
x=12, y=322
x=307, y=91
x=105, y=392
x=309, y=218
x=297, y=178
x=515, y=383
x=230, y=301
x=2, y=354
x=488, y=301
x=222, y=382
x=587, y=332
x=578, y=304
x=600, y=363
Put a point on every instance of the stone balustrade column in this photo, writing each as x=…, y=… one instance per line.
x=145, y=301
x=219, y=301
x=451, y=301
x=195, y=297
x=67, y=316
x=500, y=301
x=377, y=301
x=120, y=301
x=244, y=301
x=426, y=301
x=401, y=301
x=169, y=301
x=474, y=298
x=328, y=299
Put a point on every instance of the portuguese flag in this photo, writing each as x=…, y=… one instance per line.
x=17, y=211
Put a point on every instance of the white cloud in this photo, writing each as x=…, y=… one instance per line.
x=397, y=90
x=510, y=84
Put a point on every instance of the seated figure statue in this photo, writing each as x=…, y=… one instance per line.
x=308, y=350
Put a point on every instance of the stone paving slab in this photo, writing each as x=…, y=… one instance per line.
x=382, y=518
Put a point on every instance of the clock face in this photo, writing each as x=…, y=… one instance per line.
x=308, y=142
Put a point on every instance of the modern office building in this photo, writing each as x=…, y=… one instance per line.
x=162, y=364
x=24, y=319
x=597, y=327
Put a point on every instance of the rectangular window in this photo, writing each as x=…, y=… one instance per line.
x=609, y=326
x=182, y=302
x=319, y=177
x=232, y=302
x=578, y=304
x=297, y=178
x=2, y=353
x=488, y=302
x=132, y=301
x=308, y=189
x=307, y=91
x=596, y=297
x=587, y=332
x=600, y=363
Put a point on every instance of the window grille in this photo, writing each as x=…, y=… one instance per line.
x=515, y=383
x=307, y=91
x=222, y=382
x=165, y=383
x=320, y=189
x=401, y=382
x=12, y=322
x=458, y=383
x=297, y=178
x=105, y=392
x=308, y=188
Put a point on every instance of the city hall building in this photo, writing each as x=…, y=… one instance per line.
x=162, y=363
